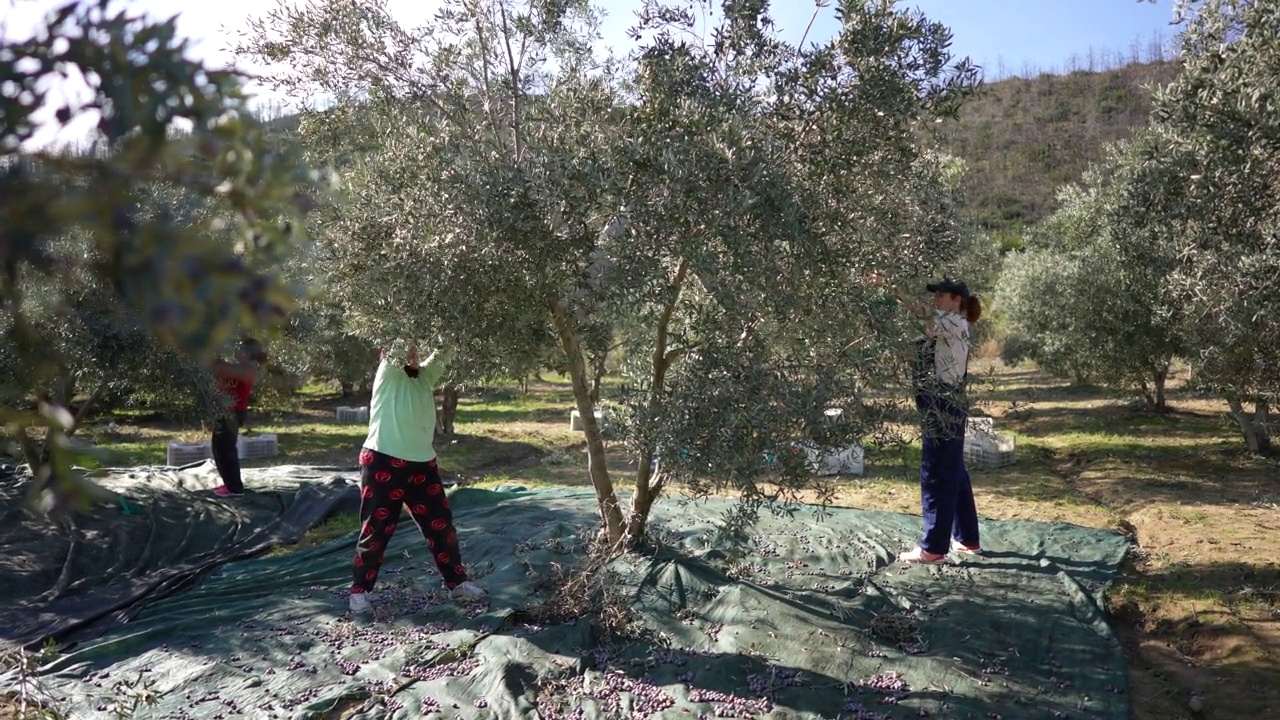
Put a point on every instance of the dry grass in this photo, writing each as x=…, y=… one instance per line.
x=1197, y=608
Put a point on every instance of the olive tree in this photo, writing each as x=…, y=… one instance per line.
x=1094, y=297
x=721, y=195
x=1040, y=323
x=89, y=354
x=1218, y=183
x=190, y=292
x=328, y=350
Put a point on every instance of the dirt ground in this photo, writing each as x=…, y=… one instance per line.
x=1198, y=608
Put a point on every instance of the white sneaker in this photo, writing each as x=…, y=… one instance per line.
x=920, y=556
x=360, y=603
x=956, y=547
x=468, y=592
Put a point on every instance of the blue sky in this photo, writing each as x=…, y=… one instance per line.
x=1008, y=34
x=1041, y=33
x=1045, y=33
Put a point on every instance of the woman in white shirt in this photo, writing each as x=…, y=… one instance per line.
x=946, y=493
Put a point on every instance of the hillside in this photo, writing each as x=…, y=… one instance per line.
x=1022, y=138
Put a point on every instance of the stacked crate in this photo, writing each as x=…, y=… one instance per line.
x=985, y=448
x=849, y=461
x=575, y=420
x=254, y=447
x=353, y=414
x=186, y=453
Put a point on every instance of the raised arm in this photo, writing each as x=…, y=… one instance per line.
x=239, y=371
x=921, y=307
x=434, y=366
x=947, y=327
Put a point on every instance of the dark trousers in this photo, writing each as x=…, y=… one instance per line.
x=225, y=456
x=386, y=485
x=946, y=492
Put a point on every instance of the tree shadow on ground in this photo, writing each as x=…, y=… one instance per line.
x=1034, y=484
x=542, y=392
x=1111, y=420
x=1215, y=627
x=480, y=413
x=1236, y=586
x=1028, y=385
x=986, y=651
x=1033, y=385
x=812, y=650
x=305, y=444
x=1128, y=481
x=473, y=453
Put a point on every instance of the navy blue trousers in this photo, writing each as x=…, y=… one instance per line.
x=225, y=455
x=946, y=493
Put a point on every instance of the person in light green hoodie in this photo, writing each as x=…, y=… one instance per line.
x=398, y=468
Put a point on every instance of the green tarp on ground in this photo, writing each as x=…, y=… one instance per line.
x=806, y=619
x=72, y=579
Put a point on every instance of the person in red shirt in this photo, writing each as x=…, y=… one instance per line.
x=235, y=380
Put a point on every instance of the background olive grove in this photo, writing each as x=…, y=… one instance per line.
x=1168, y=248
x=143, y=254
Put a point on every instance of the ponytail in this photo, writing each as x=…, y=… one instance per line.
x=254, y=350
x=973, y=309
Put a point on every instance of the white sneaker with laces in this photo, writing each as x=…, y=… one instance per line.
x=360, y=603
x=468, y=592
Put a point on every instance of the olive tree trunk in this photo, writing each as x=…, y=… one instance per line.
x=1155, y=392
x=597, y=375
x=597, y=467
x=1253, y=425
x=1161, y=381
x=648, y=487
x=448, y=410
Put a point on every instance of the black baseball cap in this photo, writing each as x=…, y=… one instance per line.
x=955, y=287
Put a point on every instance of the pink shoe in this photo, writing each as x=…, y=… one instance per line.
x=920, y=556
x=957, y=547
x=222, y=491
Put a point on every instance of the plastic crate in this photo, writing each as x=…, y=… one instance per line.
x=181, y=453
x=353, y=414
x=849, y=461
x=252, y=447
x=575, y=420
x=989, y=450
x=982, y=425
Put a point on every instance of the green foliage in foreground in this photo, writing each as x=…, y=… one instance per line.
x=153, y=235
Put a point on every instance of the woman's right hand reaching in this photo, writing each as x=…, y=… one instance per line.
x=914, y=303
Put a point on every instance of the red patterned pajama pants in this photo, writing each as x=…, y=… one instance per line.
x=387, y=484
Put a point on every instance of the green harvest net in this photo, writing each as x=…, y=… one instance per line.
x=806, y=618
x=72, y=579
